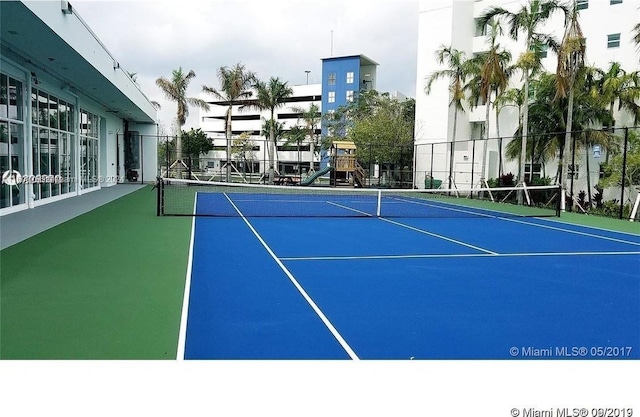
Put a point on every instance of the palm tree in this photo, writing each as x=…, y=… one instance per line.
x=546, y=123
x=275, y=128
x=269, y=96
x=510, y=97
x=527, y=19
x=235, y=84
x=618, y=85
x=492, y=77
x=570, y=61
x=311, y=118
x=457, y=71
x=175, y=89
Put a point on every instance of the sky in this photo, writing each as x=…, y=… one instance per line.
x=279, y=38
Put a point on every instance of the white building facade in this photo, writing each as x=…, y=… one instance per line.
x=608, y=28
x=71, y=120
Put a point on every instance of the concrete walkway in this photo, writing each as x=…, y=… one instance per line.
x=19, y=226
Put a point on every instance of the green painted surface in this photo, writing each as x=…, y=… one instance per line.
x=601, y=222
x=105, y=285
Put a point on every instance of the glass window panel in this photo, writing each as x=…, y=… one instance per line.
x=613, y=40
x=4, y=100
x=35, y=158
x=54, y=156
x=71, y=178
x=15, y=99
x=4, y=138
x=17, y=162
x=83, y=161
x=96, y=126
x=34, y=106
x=71, y=117
x=62, y=114
x=4, y=146
x=53, y=112
x=65, y=163
x=5, y=191
x=95, y=163
x=83, y=122
x=349, y=96
x=43, y=108
x=44, y=162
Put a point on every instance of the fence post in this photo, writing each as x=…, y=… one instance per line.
x=573, y=166
x=168, y=158
x=159, y=187
x=431, y=167
x=473, y=164
x=624, y=170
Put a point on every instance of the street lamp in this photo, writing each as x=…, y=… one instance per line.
x=307, y=72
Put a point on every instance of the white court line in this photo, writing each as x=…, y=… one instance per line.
x=182, y=338
x=587, y=226
x=439, y=236
x=575, y=232
x=349, y=208
x=301, y=290
x=443, y=205
x=444, y=256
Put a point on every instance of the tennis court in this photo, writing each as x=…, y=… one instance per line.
x=281, y=275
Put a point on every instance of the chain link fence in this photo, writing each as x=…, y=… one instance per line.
x=601, y=175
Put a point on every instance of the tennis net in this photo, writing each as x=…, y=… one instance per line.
x=178, y=197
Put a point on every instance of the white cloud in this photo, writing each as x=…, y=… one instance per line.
x=282, y=38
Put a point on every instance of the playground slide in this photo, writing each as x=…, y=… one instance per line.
x=311, y=178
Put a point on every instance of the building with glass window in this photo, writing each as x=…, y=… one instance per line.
x=342, y=78
x=252, y=156
x=71, y=119
x=608, y=28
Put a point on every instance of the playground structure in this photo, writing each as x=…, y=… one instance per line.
x=347, y=170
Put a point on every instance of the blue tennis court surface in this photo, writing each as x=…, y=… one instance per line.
x=409, y=288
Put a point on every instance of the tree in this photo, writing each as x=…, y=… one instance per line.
x=527, y=19
x=613, y=170
x=271, y=95
x=243, y=147
x=311, y=118
x=235, y=84
x=492, y=74
x=383, y=134
x=175, y=89
x=510, y=97
x=457, y=71
x=570, y=61
x=194, y=144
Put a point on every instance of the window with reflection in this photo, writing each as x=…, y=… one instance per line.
x=12, y=156
x=89, y=123
x=53, y=141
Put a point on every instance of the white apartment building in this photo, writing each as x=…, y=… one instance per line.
x=291, y=159
x=608, y=28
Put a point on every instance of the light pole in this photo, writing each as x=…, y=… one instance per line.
x=307, y=72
